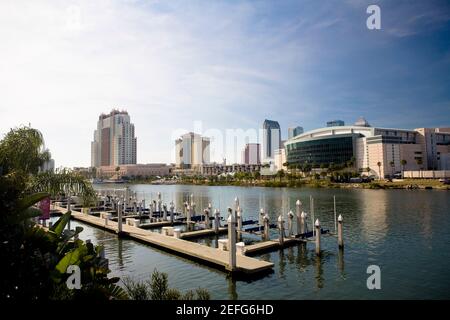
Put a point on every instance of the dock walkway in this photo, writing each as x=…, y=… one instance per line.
x=194, y=250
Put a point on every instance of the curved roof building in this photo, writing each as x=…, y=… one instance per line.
x=378, y=151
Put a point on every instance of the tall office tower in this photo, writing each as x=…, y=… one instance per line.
x=335, y=123
x=251, y=154
x=114, y=141
x=271, y=139
x=191, y=150
x=294, y=131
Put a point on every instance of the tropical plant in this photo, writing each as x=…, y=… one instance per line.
x=157, y=288
x=33, y=258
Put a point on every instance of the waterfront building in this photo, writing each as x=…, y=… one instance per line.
x=294, y=131
x=271, y=139
x=191, y=151
x=134, y=170
x=251, y=153
x=280, y=159
x=217, y=168
x=384, y=151
x=114, y=140
x=335, y=123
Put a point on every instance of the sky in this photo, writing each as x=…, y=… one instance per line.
x=223, y=64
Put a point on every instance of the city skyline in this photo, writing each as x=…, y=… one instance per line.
x=299, y=63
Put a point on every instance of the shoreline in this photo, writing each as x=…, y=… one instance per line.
x=376, y=185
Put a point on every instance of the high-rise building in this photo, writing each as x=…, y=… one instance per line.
x=114, y=141
x=191, y=151
x=251, y=153
x=271, y=139
x=294, y=131
x=335, y=123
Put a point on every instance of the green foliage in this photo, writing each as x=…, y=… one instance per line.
x=34, y=259
x=157, y=288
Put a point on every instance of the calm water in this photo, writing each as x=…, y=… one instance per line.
x=405, y=232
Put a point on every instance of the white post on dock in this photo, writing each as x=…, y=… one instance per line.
x=298, y=213
x=317, y=225
x=266, y=227
x=239, y=222
x=217, y=221
x=281, y=229
x=231, y=241
x=119, y=216
x=334, y=209
x=290, y=223
x=340, y=232
x=303, y=217
x=172, y=208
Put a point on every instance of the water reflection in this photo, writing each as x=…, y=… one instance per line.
x=394, y=228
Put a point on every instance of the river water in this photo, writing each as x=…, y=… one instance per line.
x=404, y=232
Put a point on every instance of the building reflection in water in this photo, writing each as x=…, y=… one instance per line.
x=373, y=206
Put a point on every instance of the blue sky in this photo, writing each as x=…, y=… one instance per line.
x=229, y=64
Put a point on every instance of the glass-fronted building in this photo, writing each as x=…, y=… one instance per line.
x=332, y=149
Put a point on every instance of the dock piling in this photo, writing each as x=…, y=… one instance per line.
x=266, y=227
x=172, y=208
x=239, y=223
x=281, y=229
x=217, y=221
x=340, y=231
x=298, y=212
x=317, y=226
x=290, y=223
x=303, y=217
x=119, y=217
x=231, y=241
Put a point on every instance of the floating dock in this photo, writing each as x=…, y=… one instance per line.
x=207, y=255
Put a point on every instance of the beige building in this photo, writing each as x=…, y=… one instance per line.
x=134, y=170
x=384, y=151
x=216, y=169
x=280, y=159
x=191, y=151
x=114, y=141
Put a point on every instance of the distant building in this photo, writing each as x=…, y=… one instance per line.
x=271, y=139
x=251, y=153
x=114, y=141
x=361, y=122
x=335, y=123
x=280, y=159
x=379, y=149
x=215, y=169
x=134, y=170
x=191, y=151
x=294, y=131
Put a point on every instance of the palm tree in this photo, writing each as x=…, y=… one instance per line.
x=403, y=163
x=419, y=163
x=392, y=164
x=36, y=259
x=379, y=169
